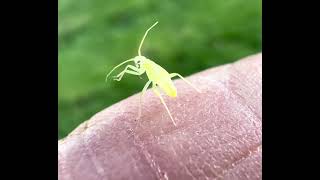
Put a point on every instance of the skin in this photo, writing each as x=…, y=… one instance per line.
x=218, y=133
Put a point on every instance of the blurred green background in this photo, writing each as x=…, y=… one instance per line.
x=96, y=35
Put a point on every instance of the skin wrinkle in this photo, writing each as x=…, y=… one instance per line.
x=146, y=156
x=234, y=96
x=195, y=149
x=153, y=164
x=110, y=146
x=220, y=145
x=194, y=159
x=176, y=158
x=180, y=163
x=226, y=134
x=240, y=109
x=135, y=160
x=225, y=167
x=199, y=166
x=136, y=168
x=186, y=169
x=92, y=157
x=253, y=82
x=256, y=149
x=66, y=159
x=209, y=155
x=209, y=171
x=192, y=169
x=85, y=152
x=203, y=151
x=63, y=170
x=243, y=100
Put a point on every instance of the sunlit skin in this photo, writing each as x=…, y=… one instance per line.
x=157, y=75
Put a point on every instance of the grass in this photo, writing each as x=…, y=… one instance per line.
x=95, y=35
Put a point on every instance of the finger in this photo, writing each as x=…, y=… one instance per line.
x=218, y=132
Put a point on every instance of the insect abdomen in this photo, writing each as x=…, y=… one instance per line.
x=168, y=87
x=161, y=77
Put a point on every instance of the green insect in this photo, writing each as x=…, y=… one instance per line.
x=157, y=75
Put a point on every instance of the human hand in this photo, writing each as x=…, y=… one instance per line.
x=218, y=133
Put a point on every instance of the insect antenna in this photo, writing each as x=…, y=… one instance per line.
x=118, y=66
x=145, y=34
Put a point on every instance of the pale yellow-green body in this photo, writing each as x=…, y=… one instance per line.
x=157, y=75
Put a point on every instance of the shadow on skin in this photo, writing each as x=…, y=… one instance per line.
x=218, y=133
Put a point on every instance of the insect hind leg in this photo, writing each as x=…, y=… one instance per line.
x=176, y=74
x=162, y=101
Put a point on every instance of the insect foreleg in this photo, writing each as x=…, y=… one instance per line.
x=159, y=95
x=134, y=71
x=141, y=97
x=176, y=74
